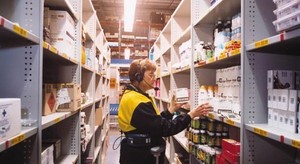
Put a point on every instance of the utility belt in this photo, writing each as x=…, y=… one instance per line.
x=138, y=140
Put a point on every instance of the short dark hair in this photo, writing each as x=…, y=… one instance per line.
x=139, y=66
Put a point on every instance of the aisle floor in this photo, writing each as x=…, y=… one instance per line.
x=112, y=156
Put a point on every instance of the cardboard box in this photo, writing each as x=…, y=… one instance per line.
x=68, y=97
x=10, y=110
x=49, y=99
x=270, y=96
x=98, y=116
x=290, y=121
x=283, y=99
x=231, y=146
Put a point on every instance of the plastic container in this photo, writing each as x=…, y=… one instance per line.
x=281, y=3
x=288, y=9
x=287, y=22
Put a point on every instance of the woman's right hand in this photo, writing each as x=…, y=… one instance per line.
x=201, y=110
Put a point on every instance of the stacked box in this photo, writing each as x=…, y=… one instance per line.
x=68, y=97
x=10, y=111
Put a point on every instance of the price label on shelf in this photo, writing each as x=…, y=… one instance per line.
x=17, y=139
x=230, y=122
x=296, y=143
x=19, y=30
x=45, y=45
x=235, y=52
x=261, y=132
x=211, y=115
x=223, y=55
x=57, y=120
x=53, y=49
x=64, y=55
x=261, y=43
x=211, y=60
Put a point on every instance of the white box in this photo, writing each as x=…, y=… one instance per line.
x=182, y=95
x=290, y=123
x=270, y=98
x=10, y=110
x=280, y=119
x=275, y=98
x=64, y=43
x=293, y=98
x=61, y=21
x=281, y=79
x=283, y=97
x=271, y=117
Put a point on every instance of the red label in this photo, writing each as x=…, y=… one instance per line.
x=51, y=101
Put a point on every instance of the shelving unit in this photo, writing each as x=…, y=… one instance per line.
x=34, y=62
x=262, y=49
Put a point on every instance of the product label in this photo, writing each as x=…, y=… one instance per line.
x=230, y=122
x=222, y=56
x=57, y=120
x=235, y=52
x=296, y=143
x=17, y=29
x=261, y=43
x=261, y=132
x=53, y=49
x=45, y=45
x=210, y=115
x=211, y=60
x=17, y=139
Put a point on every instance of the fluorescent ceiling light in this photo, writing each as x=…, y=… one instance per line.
x=127, y=53
x=129, y=11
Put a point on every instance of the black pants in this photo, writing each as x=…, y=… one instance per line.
x=137, y=155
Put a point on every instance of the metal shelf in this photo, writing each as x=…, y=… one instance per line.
x=87, y=69
x=54, y=55
x=87, y=104
x=54, y=118
x=223, y=61
x=72, y=159
x=276, y=134
x=232, y=122
x=186, y=35
x=182, y=140
x=25, y=134
x=64, y=5
x=283, y=43
x=14, y=35
x=221, y=10
x=96, y=153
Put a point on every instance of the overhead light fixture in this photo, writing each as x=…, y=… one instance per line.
x=129, y=11
x=127, y=53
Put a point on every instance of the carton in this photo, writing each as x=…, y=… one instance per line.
x=68, y=97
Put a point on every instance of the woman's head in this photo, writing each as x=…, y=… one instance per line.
x=139, y=67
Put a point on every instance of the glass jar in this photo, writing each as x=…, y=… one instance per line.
x=210, y=125
x=219, y=126
x=196, y=138
x=225, y=127
x=197, y=123
x=203, y=123
x=211, y=139
x=218, y=139
x=203, y=137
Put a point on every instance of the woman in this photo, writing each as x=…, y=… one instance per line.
x=140, y=119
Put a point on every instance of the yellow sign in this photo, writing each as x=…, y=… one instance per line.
x=57, y=120
x=296, y=144
x=230, y=122
x=235, y=52
x=261, y=132
x=17, y=29
x=17, y=139
x=261, y=43
x=223, y=55
x=53, y=49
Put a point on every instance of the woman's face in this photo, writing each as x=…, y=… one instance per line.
x=149, y=79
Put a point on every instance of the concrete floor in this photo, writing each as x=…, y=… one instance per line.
x=112, y=156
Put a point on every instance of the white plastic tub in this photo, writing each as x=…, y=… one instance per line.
x=287, y=9
x=281, y=3
x=288, y=21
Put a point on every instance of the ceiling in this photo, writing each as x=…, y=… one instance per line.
x=110, y=14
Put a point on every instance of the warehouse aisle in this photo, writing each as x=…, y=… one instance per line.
x=112, y=156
